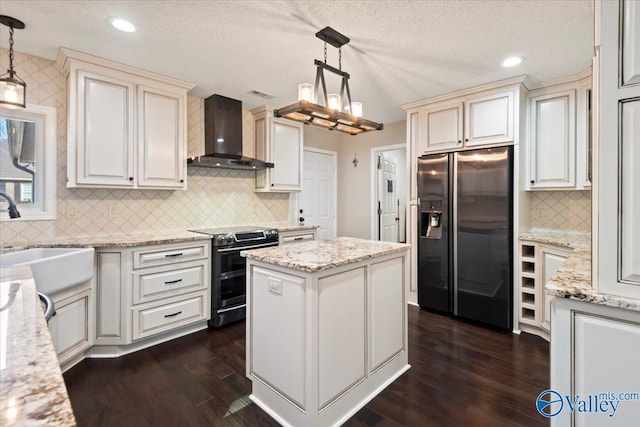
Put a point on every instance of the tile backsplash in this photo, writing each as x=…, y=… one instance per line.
x=561, y=210
x=214, y=197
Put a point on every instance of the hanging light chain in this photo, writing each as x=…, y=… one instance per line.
x=325, y=52
x=11, y=50
x=340, y=58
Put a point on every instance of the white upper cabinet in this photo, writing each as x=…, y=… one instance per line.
x=477, y=117
x=630, y=43
x=126, y=127
x=558, y=135
x=442, y=127
x=553, y=139
x=104, y=131
x=616, y=207
x=488, y=119
x=161, y=138
x=278, y=141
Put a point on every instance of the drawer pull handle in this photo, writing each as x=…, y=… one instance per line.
x=171, y=282
x=299, y=238
x=173, y=315
x=173, y=255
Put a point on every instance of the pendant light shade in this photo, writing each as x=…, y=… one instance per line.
x=13, y=89
x=330, y=114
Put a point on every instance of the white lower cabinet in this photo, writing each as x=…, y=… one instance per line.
x=594, y=357
x=155, y=318
x=146, y=291
x=71, y=326
x=322, y=344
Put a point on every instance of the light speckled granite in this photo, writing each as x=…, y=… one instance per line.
x=32, y=391
x=572, y=240
x=137, y=239
x=318, y=255
x=573, y=278
x=116, y=240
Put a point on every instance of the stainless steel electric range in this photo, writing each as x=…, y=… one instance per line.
x=228, y=285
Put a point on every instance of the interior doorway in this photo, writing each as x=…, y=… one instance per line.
x=389, y=193
x=318, y=198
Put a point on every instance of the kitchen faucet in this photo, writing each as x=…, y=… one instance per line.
x=13, y=209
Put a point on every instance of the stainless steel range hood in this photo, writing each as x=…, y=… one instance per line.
x=223, y=137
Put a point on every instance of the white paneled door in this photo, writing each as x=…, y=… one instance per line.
x=388, y=202
x=318, y=197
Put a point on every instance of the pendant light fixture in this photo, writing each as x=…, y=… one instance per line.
x=331, y=113
x=13, y=89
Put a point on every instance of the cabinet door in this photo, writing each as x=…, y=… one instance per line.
x=606, y=360
x=442, y=128
x=161, y=161
x=104, y=130
x=286, y=155
x=551, y=261
x=489, y=119
x=630, y=43
x=553, y=140
x=69, y=327
x=110, y=312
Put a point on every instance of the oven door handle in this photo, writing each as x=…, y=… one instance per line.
x=231, y=274
x=244, y=248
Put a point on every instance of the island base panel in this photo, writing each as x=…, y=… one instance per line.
x=338, y=412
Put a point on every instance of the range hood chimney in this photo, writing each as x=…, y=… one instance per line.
x=223, y=137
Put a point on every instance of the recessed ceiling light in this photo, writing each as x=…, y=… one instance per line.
x=512, y=61
x=122, y=25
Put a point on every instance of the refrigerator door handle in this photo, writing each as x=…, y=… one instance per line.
x=454, y=231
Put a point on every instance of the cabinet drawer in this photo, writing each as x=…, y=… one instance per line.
x=161, y=318
x=148, y=286
x=170, y=254
x=297, y=238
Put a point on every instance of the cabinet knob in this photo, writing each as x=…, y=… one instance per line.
x=272, y=185
x=459, y=141
x=466, y=140
x=130, y=178
x=533, y=181
x=182, y=180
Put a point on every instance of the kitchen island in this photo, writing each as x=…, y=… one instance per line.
x=326, y=327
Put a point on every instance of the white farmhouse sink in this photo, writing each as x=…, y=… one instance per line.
x=54, y=269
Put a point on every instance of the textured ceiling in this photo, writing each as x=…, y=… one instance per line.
x=400, y=51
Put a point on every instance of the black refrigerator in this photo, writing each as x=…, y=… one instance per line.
x=465, y=242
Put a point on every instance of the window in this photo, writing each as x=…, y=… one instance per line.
x=28, y=162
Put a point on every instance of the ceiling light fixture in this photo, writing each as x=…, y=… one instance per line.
x=122, y=25
x=512, y=61
x=330, y=115
x=13, y=90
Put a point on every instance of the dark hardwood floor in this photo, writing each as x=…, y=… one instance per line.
x=461, y=375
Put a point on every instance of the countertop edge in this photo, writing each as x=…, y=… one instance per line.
x=31, y=385
x=311, y=266
x=131, y=240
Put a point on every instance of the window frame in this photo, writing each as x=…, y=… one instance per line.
x=46, y=181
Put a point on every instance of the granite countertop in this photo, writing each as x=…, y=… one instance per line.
x=32, y=391
x=318, y=255
x=573, y=278
x=133, y=239
x=114, y=240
